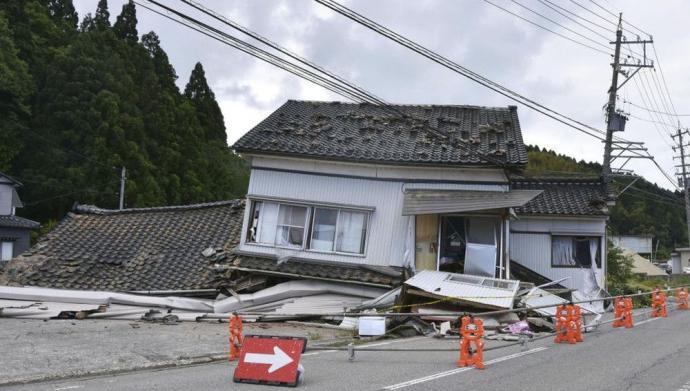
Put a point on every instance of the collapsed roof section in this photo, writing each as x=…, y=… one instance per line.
x=395, y=134
x=131, y=250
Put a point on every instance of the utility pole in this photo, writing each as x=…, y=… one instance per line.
x=615, y=121
x=684, y=176
x=123, y=179
x=611, y=111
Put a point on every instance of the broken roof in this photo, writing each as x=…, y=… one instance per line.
x=563, y=196
x=382, y=276
x=404, y=134
x=131, y=249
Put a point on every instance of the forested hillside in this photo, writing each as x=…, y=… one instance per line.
x=644, y=208
x=80, y=100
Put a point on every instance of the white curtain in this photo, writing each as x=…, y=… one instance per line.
x=268, y=220
x=591, y=283
x=408, y=256
x=350, y=232
x=562, y=251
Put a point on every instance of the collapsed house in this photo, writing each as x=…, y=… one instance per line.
x=351, y=206
x=415, y=187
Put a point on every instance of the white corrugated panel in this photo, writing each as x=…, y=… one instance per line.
x=488, y=291
x=538, y=297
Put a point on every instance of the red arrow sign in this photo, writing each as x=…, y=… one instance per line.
x=269, y=360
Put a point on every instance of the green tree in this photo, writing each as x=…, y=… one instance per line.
x=208, y=112
x=102, y=17
x=15, y=88
x=125, y=26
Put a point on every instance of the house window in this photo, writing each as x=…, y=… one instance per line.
x=575, y=251
x=351, y=232
x=329, y=229
x=6, y=251
x=323, y=229
x=291, y=222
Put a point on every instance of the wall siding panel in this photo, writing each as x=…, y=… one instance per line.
x=387, y=227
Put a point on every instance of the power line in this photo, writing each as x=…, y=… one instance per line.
x=653, y=111
x=615, y=16
x=580, y=17
x=415, y=47
x=594, y=13
x=563, y=26
x=548, y=29
x=279, y=48
x=574, y=20
x=257, y=52
x=73, y=192
x=354, y=93
x=665, y=197
x=663, y=78
x=445, y=62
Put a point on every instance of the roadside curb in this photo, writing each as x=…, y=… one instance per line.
x=178, y=362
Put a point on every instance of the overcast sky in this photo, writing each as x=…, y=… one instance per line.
x=558, y=73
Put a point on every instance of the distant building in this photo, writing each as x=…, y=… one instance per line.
x=15, y=231
x=641, y=244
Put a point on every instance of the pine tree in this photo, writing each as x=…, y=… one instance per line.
x=125, y=26
x=63, y=12
x=164, y=70
x=102, y=18
x=208, y=112
x=15, y=88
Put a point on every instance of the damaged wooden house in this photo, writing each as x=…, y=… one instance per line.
x=347, y=201
x=407, y=188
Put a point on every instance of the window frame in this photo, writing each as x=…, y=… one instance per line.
x=309, y=227
x=2, y=246
x=598, y=261
x=305, y=227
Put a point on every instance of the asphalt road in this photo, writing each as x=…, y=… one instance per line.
x=655, y=355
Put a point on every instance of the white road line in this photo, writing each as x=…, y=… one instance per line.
x=459, y=370
x=68, y=388
x=646, y=321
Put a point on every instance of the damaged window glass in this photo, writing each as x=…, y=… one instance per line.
x=575, y=251
x=291, y=222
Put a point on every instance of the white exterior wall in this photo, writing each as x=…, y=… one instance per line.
x=530, y=245
x=6, y=192
x=366, y=186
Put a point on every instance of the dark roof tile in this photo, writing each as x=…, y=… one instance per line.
x=432, y=134
x=563, y=196
x=132, y=249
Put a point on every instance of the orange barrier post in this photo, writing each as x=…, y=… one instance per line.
x=682, y=299
x=658, y=304
x=623, y=312
x=628, y=315
x=618, y=311
x=472, y=331
x=564, y=324
x=235, y=337
x=576, y=323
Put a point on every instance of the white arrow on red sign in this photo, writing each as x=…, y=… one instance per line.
x=277, y=360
